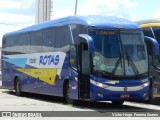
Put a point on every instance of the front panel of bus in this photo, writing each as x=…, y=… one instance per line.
x=120, y=65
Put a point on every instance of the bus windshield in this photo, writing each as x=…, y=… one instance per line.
x=119, y=53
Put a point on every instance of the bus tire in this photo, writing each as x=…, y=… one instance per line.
x=18, y=88
x=151, y=98
x=66, y=94
x=117, y=103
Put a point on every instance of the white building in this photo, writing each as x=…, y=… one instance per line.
x=43, y=10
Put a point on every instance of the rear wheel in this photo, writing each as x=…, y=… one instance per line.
x=117, y=103
x=18, y=91
x=66, y=94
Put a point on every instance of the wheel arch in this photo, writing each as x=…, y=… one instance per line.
x=16, y=78
x=66, y=81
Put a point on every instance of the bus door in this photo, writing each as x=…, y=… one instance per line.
x=79, y=72
x=84, y=71
x=80, y=68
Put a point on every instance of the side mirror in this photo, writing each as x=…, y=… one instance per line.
x=87, y=39
x=154, y=44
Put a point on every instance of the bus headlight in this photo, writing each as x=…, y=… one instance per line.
x=101, y=85
x=145, y=84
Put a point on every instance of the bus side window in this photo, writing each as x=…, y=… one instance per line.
x=62, y=39
x=6, y=45
x=148, y=32
x=73, y=58
x=6, y=42
x=156, y=31
x=25, y=42
x=82, y=29
x=36, y=41
x=3, y=42
x=75, y=33
x=76, y=30
x=14, y=41
x=48, y=40
x=150, y=51
x=15, y=45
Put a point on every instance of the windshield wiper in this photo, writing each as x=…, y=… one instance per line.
x=116, y=65
x=133, y=66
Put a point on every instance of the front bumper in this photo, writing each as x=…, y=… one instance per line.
x=103, y=92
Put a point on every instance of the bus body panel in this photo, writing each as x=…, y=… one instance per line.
x=36, y=76
x=73, y=83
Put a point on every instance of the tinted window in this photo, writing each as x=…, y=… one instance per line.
x=149, y=51
x=76, y=30
x=36, y=41
x=7, y=42
x=25, y=39
x=148, y=32
x=156, y=31
x=48, y=40
x=15, y=45
x=62, y=39
x=6, y=45
x=15, y=41
x=82, y=29
x=73, y=59
x=25, y=42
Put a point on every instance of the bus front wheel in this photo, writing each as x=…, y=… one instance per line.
x=151, y=99
x=18, y=87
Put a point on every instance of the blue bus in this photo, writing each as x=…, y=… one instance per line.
x=151, y=29
x=92, y=58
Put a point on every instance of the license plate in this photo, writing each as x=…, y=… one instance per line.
x=125, y=95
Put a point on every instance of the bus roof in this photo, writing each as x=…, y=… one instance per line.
x=96, y=21
x=149, y=22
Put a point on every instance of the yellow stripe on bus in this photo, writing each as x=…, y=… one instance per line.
x=157, y=95
x=149, y=25
x=47, y=75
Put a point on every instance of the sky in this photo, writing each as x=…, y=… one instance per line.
x=17, y=14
